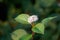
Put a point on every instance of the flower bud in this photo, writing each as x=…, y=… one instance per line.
x=32, y=19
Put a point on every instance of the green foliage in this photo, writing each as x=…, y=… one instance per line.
x=47, y=20
x=26, y=37
x=17, y=34
x=22, y=18
x=38, y=28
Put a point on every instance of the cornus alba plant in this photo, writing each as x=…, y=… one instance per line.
x=36, y=27
x=31, y=20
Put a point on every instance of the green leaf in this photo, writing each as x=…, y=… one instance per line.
x=38, y=28
x=17, y=34
x=46, y=20
x=22, y=18
x=26, y=37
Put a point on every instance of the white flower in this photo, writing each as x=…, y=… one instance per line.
x=32, y=19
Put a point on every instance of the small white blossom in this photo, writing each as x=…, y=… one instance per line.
x=32, y=19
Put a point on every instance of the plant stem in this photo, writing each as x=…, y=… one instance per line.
x=32, y=31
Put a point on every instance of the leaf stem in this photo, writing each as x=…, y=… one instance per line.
x=32, y=31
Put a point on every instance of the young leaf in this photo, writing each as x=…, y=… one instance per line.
x=22, y=18
x=26, y=37
x=16, y=35
x=46, y=20
x=38, y=28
